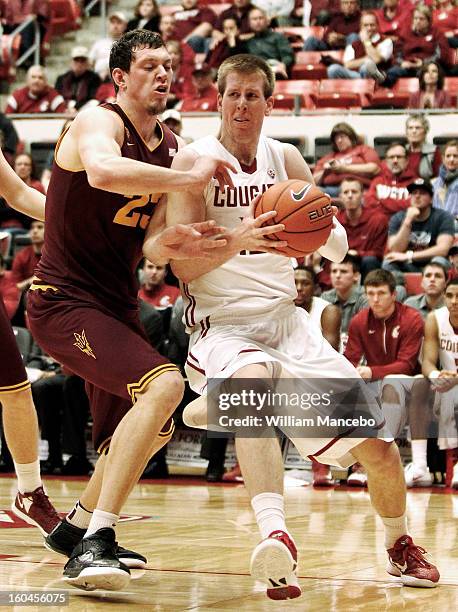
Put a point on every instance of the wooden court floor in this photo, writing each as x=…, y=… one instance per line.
x=198, y=540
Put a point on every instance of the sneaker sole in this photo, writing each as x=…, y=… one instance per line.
x=291, y=591
x=26, y=518
x=410, y=580
x=92, y=578
x=271, y=562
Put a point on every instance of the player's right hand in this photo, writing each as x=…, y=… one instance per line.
x=251, y=234
x=196, y=240
x=206, y=167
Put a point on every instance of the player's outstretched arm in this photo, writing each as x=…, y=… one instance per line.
x=94, y=144
x=19, y=195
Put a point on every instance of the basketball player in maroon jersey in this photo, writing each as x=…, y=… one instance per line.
x=19, y=415
x=105, y=195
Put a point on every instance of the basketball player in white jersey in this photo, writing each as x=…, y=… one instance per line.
x=239, y=309
x=440, y=348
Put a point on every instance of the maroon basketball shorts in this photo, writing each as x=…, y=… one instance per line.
x=112, y=355
x=13, y=376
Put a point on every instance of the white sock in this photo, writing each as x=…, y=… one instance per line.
x=101, y=519
x=394, y=529
x=79, y=516
x=28, y=476
x=419, y=450
x=393, y=416
x=269, y=512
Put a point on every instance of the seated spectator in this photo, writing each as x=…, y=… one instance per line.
x=167, y=27
x=279, y=12
x=229, y=44
x=453, y=260
x=99, y=54
x=24, y=167
x=388, y=192
x=366, y=57
x=78, y=85
x=8, y=138
x=15, y=12
x=239, y=10
x=431, y=92
x=419, y=43
x=182, y=67
x=318, y=12
x=367, y=230
x=348, y=160
x=204, y=96
x=446, y=185
x=272, y=46
x=10, y=219
x=445, y=19
x=153, y=289
x=433, y=281
x=394, y=16
x=388, y=335
x=9, y=293
x=26, y=260
x=37, y=96
x=172, y=119
x=424, y=159
x=420, y=233
x=146, y=16
x=341, y=31
x=194, y=25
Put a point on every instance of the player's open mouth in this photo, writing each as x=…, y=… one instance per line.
x=240, y=120
x=162, y=89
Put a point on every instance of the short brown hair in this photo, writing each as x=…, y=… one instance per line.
x=450, y=144
x=377, y=278
x=343, y=128
x=244, y=63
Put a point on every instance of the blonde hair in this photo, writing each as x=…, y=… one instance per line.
x=245, y=63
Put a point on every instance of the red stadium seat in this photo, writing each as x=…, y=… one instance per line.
x=363, y=88
x=385, y=98
x=412, y=281
x=303, y=88
x=406, y=86
x=65, y=17
x=451, y=86
x=308, y=64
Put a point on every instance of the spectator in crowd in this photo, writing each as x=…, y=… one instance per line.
x=366, y=57
x=229, y=44
x=394, y=16
x=445, y=19
x=272, y=46
x=367, y=230
x=37, y=96
x=194, y=25
x=9, y=292
x=79, y=84
x=419, y=43
x=431, y=92
x=239, y=10
x=99, y=54
x=8, y=138
x=24, y=167
x=318, y=12
x=279, y=12
x=10, y=219
x=346, y=292
x=167, y=27
x=172, y=119
x=446, y=185
x=327, y=317
x=433, y=281
x=182, y=71
x=388, y=192
x=388, y=336
x=424, y=159
x=204, y=96
x=146, y=16
x=453, y=260
x=14, y=12
x=348, y=160
x=25, y=261
x=153, y=288
x=341, y=31
x=419, y=233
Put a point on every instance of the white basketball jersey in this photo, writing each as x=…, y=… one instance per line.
x=318, y=305
x=448, y=340
x=248, y=286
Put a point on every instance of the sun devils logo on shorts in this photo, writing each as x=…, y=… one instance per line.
x=83, y=344
x=300, y=195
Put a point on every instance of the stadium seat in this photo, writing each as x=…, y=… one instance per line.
x=441, y=140
x=308, y=64
x=412, y=282
x=406, y=86
x=363, y=88
x=398, y=97
x=335, y=93
x=322, y=146
x=301, y=87
x=381, y=143
x=451, y=86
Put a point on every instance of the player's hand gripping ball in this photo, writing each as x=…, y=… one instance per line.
x=304, y=210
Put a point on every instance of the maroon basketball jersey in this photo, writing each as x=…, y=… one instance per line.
x=93, y=237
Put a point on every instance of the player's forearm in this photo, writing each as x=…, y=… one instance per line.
x=336, y=246
x=189, y=270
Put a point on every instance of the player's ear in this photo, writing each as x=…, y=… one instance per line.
x=118, y=77
x=269, y=106
x=220, y=102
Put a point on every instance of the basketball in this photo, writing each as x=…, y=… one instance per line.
x=305, y=211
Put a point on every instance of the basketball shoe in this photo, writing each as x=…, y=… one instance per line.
x=35, y=509
x=274, y=561
x=94, y=564
x=406, y=560
x=416, y=477
x=66, y=536
x=358, y=476
x=322, y=476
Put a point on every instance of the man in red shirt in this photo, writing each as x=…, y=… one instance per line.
x=367, y=231
x=388, y=193
x=8, y=291
x=154, y=290
x=194, y=25
x=205, y=96
x=388, y=335
x=37, y=96
x=342, y=29
x=25, y=261
x=393, y=17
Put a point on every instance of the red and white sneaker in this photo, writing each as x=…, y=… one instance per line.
x=274, y=561
x=35, y=509
x=322, y=476
x=406, y=560
x=358, y=476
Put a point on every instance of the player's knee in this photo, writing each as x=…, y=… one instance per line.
x=168, y=391
x=376, y=454
x=390, y=395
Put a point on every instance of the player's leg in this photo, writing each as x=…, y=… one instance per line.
x=417, y=473
x=387, y=490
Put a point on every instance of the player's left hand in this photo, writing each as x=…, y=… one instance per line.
x=196, y=240
x=445, y=381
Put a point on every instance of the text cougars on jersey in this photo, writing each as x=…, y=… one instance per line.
x=238, y=196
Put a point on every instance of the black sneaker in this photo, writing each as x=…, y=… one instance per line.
x=66, y=536
x=94, y=565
